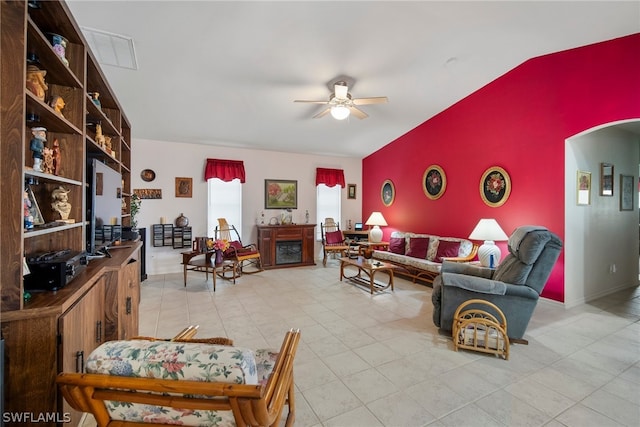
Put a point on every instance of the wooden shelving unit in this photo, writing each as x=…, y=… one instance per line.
x=41, y=335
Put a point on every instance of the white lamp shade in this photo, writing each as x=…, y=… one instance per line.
x=376, y=220
x=488, y=230
x=340, y=112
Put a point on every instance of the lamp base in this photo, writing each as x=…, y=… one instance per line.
x=375, y=234
x=486, y=250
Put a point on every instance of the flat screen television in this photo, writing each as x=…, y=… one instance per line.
x=104, y=207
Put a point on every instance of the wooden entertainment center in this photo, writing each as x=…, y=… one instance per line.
x=55, y=331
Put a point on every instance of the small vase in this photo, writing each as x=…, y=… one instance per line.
x=219, y=257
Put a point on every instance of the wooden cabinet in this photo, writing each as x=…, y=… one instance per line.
x=81, y=330
x=286, y=245
x=48, y=332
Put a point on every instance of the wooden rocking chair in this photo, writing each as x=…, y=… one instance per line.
x=244, y=255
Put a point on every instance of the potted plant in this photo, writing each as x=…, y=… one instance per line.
x=135, y=209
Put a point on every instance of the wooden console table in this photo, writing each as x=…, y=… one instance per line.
x=289, y=245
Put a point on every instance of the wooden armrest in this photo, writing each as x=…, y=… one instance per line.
x=470, y=257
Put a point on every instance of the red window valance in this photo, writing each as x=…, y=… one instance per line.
x=330, y=177
x=226, y=170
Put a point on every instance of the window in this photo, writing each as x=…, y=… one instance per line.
x=328, y=201
x=225, y=201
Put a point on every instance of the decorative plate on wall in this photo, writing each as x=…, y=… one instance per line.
x=434, y=182
x=495, y=186
x=387, y=192
x=148, y=175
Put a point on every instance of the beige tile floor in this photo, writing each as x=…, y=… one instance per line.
x=379, y=361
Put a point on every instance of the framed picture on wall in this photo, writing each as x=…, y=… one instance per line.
x=606, y=179
x=495, y=186
x=351, y=191
x=280, y=194
x=583, y=187
x=626, y=192
x=434, y=182
x=184, y=187
x=387, y=192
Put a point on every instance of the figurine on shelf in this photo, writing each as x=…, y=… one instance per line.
x=28, y=218
x=47, y=160
x=35, y=81
x=60, y=203
x=57, y=103
x=107, y=146
x=59, y=44
x=37, y=146
x=100, y=140
x=57, y=157
x=94, y=97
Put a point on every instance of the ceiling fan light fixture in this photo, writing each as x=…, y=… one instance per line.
x=340, y=112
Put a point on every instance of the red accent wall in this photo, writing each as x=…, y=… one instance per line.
x=519, y=122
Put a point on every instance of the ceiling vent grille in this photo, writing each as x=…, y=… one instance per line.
x=111, y=49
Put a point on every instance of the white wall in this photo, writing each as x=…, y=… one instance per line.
x=599, y=235
x=170, y=160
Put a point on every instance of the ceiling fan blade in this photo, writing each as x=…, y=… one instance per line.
x=311, y=102
x=341, y=90
x=358, y=113
x=322, y=113
x=374, y=100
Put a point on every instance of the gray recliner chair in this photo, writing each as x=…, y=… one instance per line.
x=514, y=286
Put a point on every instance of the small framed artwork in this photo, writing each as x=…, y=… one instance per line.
x=184, y=187
x=606, y=179
x=147, y=175
x=31, y=205
x=434, y=182
x=495, y=186
x=626, y=192
x=583, y=188
x=351, y=191
x=148, y=193
x=388, y=192
x=280, y=194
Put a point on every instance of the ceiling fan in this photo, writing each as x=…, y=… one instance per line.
x=341, y=104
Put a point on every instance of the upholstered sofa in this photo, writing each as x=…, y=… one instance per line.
x=420, y=256
x=186, y=383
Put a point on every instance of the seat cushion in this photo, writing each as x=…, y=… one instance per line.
x=334, y=237
x=179, y=361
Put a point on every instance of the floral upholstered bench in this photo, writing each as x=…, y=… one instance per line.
x=420, y=256
x=193, y=384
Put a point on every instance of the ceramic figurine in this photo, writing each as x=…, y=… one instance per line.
x=35, y=81
x=47, y=160
x=28, y=218
x=57, y=157
x=57, y=103
x=37, y=146
x=100, y=140
x=60, y=202
x=94, y=97
x=59, y=44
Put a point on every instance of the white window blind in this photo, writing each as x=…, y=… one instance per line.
x=225, y=201
x=328, y=201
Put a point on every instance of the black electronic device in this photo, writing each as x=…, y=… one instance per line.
x=51, y=271
x=358, y=226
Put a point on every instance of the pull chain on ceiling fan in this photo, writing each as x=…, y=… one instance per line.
x=341, y=104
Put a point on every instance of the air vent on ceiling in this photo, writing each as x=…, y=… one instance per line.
x=111, y=49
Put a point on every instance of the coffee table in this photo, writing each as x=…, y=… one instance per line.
x=227, y=269
x=369, y=268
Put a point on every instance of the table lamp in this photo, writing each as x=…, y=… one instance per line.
x=375, y=234
x=489, y=231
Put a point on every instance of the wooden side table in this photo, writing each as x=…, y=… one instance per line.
x=382, y=246
x=206, y=265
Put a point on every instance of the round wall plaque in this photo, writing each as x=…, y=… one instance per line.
x=148, y=175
